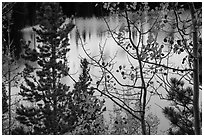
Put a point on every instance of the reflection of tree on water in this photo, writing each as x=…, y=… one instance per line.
x=87, y=28
x=84, y=35
x=93, y=30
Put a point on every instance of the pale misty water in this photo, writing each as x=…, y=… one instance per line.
x=93, y=32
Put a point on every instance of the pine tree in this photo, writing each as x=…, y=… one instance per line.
x=180, y=113
x=53, y=108
x=86, y=107
x=46, y=96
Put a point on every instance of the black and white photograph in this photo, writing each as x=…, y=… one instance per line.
x=101, y=68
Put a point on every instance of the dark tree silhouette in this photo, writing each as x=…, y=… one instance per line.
x=180, y=113
x=42, y=90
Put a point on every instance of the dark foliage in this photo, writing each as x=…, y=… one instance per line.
x=4, y=99
x=52, y=108
x=42, y=88
x=19, y=131
x=86, y=107
x=180, y=113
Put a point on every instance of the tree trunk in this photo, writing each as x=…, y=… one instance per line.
x=9, y=77
x=195, y=72
x=144, y=93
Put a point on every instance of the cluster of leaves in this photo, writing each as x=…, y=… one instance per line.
x=131, y=72
x=115, y=7
x=124, y=123
x=180, y=113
